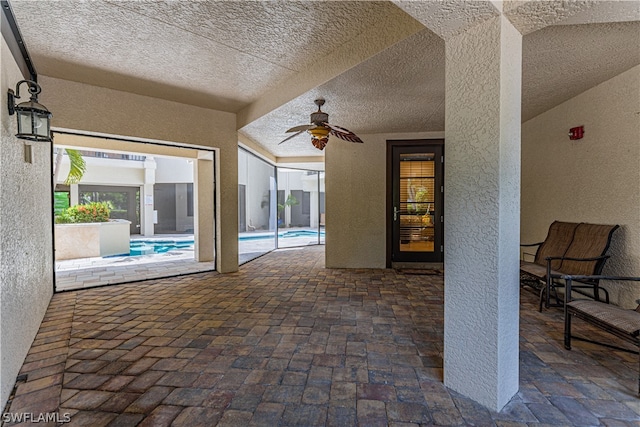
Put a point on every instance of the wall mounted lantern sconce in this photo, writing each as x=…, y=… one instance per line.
x=34, y=119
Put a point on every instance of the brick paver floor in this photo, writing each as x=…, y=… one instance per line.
x=287, y=342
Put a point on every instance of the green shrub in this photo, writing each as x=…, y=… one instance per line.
x=92, y=212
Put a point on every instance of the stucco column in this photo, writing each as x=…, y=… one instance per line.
x=204, y=225
x=482, y=208
x=147, y=221
x=74, y=194
x=226, y=170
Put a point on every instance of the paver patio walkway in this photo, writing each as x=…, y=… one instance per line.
x=287, y=342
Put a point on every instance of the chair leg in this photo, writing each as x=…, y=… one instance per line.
x=567, y=331
x=554, y=286
x=549, y=287
x=542, y=298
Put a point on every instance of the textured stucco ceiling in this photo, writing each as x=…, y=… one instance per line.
x=448, y=17
x=402, y=88
x=217, y=54
x=529, y=16
x=560, y=62
x=399, y=90
x=378, y=67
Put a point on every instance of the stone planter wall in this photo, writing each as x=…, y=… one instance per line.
x=93, y=239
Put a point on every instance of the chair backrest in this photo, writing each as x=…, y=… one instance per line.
x=558, y=239
x=589, y=240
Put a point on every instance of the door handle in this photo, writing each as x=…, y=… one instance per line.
x=396, y=211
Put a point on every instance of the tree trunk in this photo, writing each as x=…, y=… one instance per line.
x=56, y=167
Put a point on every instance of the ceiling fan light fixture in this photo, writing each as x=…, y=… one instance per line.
x=319, y=131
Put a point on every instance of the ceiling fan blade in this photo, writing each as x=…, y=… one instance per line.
x=320, y=143
x=343, y=133
x=292, y=136
x=300, y=128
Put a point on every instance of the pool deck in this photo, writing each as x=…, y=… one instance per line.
x=178, y=255
x=93, y=272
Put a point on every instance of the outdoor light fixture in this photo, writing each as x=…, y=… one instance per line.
x=33, y=117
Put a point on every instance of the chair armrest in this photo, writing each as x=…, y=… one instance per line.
x=568, y=278
x=598, y=277
x=529, y=245
x=551, y=258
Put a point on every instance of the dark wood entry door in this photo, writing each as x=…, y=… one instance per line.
x=415, y=201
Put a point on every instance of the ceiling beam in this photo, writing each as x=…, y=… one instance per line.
x=13, y=37
x=115, y=145
x=449, y=17
x=528, y=16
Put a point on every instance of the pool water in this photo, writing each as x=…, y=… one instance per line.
x=282, y=235
x=300, y=233
x=159, y=246
x=148, y=247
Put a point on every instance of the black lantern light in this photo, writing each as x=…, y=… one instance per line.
x=33, y=117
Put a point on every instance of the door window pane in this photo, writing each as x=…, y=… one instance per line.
x=417, y=202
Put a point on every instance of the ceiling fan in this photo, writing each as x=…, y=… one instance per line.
x=320, y=129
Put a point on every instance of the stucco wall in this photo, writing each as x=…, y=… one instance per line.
x=595, y=179
x=106, y=172
x=172, y=170
x=26, y=251
x=356, y=185
x=88, y=108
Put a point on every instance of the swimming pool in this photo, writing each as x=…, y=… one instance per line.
x=158, y=246
x=281, y=235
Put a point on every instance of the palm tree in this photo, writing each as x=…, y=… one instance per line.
x=76, y=170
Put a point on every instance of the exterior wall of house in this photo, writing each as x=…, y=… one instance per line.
x=594, y=179
x=26, y=248
x=174, y=171
x=86, y=108
x=177, y=173
x=301, y=185
x=356, y=185
x=106, y=172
